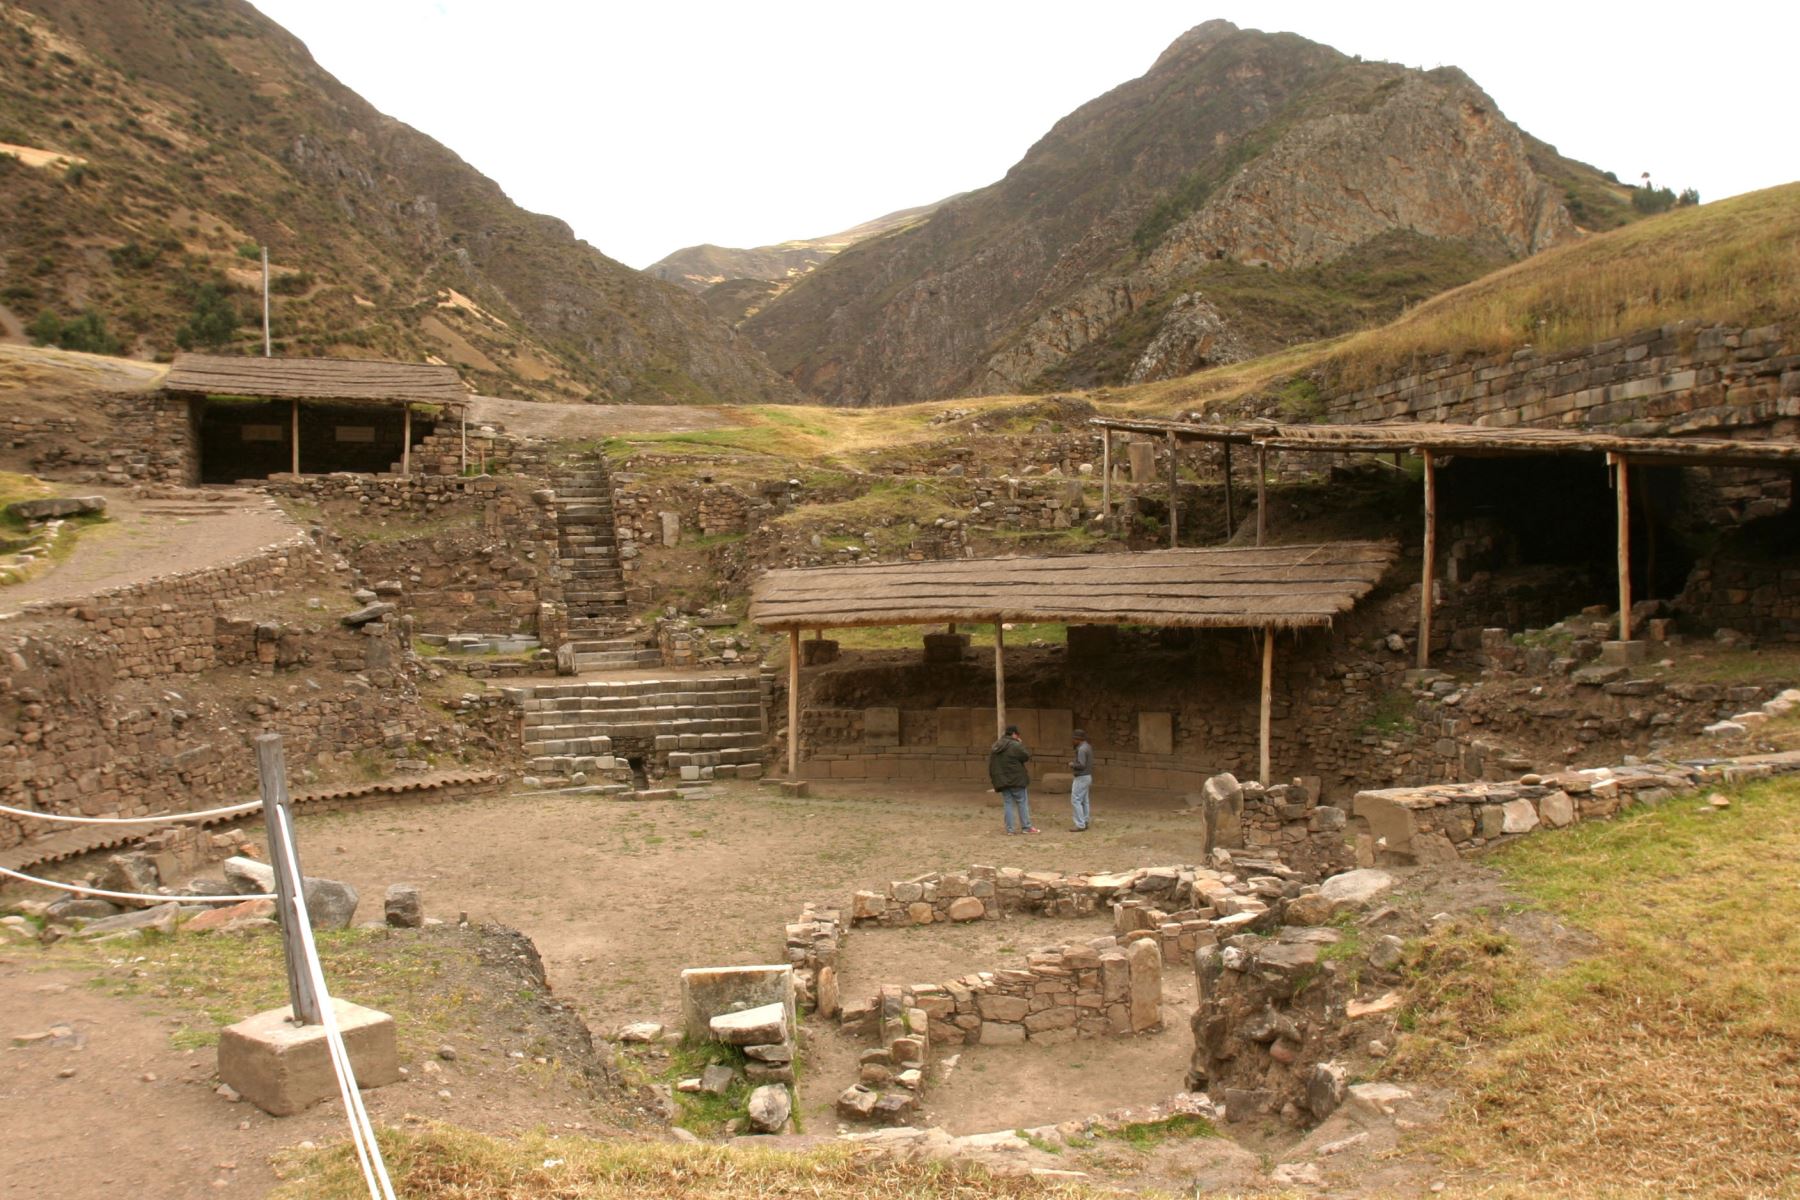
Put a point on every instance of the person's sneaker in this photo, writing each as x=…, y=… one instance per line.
x=1078, y=829
x=1032, y=829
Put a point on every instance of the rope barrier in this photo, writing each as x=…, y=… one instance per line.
x=79, y=890
x=362, y=1131
x=64, y=819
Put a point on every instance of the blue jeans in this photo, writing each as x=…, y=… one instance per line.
x=1018, y=801
x=1078, y=799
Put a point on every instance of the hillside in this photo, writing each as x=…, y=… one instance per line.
x=179, y=136
x=1250, y=191
x=698, y=268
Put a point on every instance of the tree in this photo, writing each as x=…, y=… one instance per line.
x=212, y=324
x=87, y=333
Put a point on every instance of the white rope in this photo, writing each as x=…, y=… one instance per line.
x=88, y=891
x=362, y=1132
x=62, y=818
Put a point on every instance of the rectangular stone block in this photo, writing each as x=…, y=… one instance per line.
x=707, y=992
x=881, y=727
x=1156, y=733
x=954, y=726
x=284, y=1068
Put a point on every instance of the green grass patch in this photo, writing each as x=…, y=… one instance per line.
x=1660, y=1064
x=1393, y=714
x=1147, y=1135
x=1036, y=1142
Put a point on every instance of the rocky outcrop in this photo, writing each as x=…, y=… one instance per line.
x=1109, y=242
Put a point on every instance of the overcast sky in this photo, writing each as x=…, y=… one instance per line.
x=649, y=127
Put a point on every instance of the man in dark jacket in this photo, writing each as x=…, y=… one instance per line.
x=1006, y=771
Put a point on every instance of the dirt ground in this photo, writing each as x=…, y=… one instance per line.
x=620, y=896
x=144, y=538
x=123, y=1103
x=535, y=419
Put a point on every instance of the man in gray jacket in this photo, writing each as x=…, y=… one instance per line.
x=1006, y=771
x=1082, y=768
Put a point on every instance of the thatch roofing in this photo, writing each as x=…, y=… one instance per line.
x=315, y=379
x=1287, y=587
x=1472, y=440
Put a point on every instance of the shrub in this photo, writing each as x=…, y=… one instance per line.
x=291, y=283
x=1652, y=199
x=86, y=333
x=134, y=256
x=214, y=321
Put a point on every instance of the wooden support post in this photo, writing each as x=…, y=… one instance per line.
x=1622, y=490
x=271, y=767
x=1430, y=548
x=1106, y=482
x=267, y=348
x=1268, y=686
x=1262, y=494
x=1230, y=517
x=999, y=676
x=1174, y=496
x=794, y=703
x=406, y=441
x=296, y=437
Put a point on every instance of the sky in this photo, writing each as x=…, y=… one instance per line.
x=649, y=127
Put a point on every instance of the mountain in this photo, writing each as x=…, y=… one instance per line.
x=178, y=135
x=697, y=268
x=1249, y=191
x=736, y=283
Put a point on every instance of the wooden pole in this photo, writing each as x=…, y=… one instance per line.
x=1268, y=685
x=1174, y=496
x=1230, y=517
x=267, y=351
x=1430, y=548
x=794, y=703
x=1262, y=493
x=1106, y=482
x=999, y=676
x=406, y=441
x=296, y=437
x=1622, y=490
x=271, y=767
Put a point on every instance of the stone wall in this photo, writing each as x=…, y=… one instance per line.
x=115, y=705
x=142, y=436
x=1759, y=596
x=1684, y=379
x=487, y=563
x=172, y=626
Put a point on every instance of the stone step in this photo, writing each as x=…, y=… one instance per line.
x=617, y=660
x=583, y=741
x=722, y=682
x=668, y=704
x=589, y=726
x=728, y=717
x=608, y=645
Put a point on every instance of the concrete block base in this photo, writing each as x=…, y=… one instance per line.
x=284, y=1068
x=1624, y=654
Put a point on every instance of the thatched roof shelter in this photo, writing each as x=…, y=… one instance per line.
x=1266, y=588
x=1269, y=587
x=315, y=379
x=1473, y=440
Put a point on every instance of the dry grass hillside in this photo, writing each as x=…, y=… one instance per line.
x=178, y=138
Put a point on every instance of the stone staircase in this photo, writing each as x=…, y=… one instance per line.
x=593, y=580
x=612, y=735
x=587, y=548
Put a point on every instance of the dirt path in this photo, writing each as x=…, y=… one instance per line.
x=620, y=896
x=43, y=366
x=11, y=328
x=147, y=538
